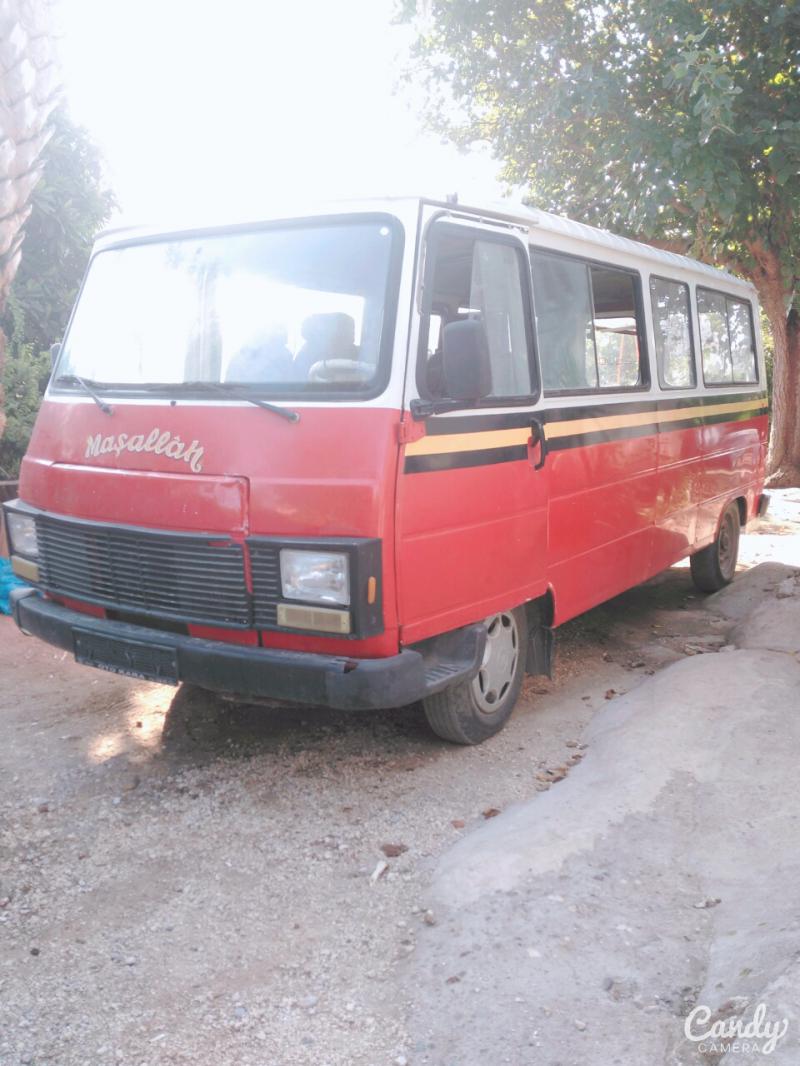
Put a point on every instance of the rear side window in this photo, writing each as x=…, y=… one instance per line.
x=726, y=338
x=588, y=325
x=673, y=333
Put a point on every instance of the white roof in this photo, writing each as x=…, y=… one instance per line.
x=520, y=214
x=535, y=218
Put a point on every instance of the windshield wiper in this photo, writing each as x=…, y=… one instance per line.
x=237, y=393
x=73, y=379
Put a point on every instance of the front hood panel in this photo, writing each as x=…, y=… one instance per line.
x=216, y=468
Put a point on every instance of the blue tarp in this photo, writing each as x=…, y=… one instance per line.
x=8, y=581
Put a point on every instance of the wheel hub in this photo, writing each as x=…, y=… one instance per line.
x=499, y=665
x=726, y=546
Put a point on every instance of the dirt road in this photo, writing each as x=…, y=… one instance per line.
x=187, y=881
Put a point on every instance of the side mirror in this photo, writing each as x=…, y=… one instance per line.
x=55, y=349
x=466, y=365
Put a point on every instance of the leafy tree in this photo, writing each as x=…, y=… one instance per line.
x=69, y=205
x=25, y=376
x=676, y=122
x=29, y=88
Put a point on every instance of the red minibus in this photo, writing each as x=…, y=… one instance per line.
x=370, y=456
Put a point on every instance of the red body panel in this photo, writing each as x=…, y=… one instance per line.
x=466, y=541
x=161, y=500
x=602, y=510
x=596, y=520
x=470, y=542
x=332, y=474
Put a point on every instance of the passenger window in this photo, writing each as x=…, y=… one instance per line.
x=587, y=325
x=616, y=331
x=673, y=333
x=743, y=349
x=714, y=341
x=484, y=281
x=563, y=308
x=726, y=338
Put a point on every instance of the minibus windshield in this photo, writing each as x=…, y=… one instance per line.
x=296, y=309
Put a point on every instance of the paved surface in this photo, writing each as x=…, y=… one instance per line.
x=659, y=877
x=187, y=881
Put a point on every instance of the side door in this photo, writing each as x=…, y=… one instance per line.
x=601, y=424
x=472, y=492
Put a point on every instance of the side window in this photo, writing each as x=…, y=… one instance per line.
x=483, y=280
x=587, y=325
x=743, y=349
x=726, y=337
x=563, y=306
x=712, y=315
x=616, y=328
x=673, y=332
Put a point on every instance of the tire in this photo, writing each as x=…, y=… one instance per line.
x=715, y=566
x=472, y=711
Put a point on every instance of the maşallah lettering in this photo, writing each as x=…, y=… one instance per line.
x=156, y=441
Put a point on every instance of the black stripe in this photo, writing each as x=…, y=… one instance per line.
x=420, y=464
x=438, y=425
x=649, y=429
x=568, y=414
x=417, y=464
x=601, y=436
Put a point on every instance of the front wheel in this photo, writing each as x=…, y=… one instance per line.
x=714, y=567
x=473, y=711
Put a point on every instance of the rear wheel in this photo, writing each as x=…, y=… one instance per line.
x=714, y=567
x=473, y=711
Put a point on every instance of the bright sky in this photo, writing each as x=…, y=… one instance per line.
x=208, y=107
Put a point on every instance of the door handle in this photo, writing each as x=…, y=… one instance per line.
x=538, y=437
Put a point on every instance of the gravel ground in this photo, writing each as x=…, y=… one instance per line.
x=185, y=880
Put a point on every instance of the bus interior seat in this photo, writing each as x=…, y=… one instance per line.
x=329, y=335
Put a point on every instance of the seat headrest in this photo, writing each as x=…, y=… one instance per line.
x=332, y=328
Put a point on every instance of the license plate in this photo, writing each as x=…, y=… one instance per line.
x=151, y=662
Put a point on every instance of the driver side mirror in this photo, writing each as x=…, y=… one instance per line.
x=55, y=350
x=466, y=365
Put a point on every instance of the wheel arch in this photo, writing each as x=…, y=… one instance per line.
x=741, y=503
x=540, y=614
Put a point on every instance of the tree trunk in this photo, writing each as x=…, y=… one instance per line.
x=783, y=459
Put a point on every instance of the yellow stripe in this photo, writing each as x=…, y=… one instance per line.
x=504, y=438
x=469, y=442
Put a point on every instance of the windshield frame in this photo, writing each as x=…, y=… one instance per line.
x=297, y=393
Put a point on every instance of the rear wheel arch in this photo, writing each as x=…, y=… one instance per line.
x=714, y=567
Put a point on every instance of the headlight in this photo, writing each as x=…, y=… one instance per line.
x=22, y=534
x=318, y=577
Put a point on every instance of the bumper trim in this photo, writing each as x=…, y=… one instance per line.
x=301, y=677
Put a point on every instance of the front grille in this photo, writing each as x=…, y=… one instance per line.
x=265, y=567
x=185, y=576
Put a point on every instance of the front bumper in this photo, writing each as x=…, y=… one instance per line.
x=300, y=677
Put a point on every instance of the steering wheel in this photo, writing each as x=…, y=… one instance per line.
x=341, y=371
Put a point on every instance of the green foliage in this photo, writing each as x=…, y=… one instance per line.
x=24, y=378
x=69, y=205
x=676, y=121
